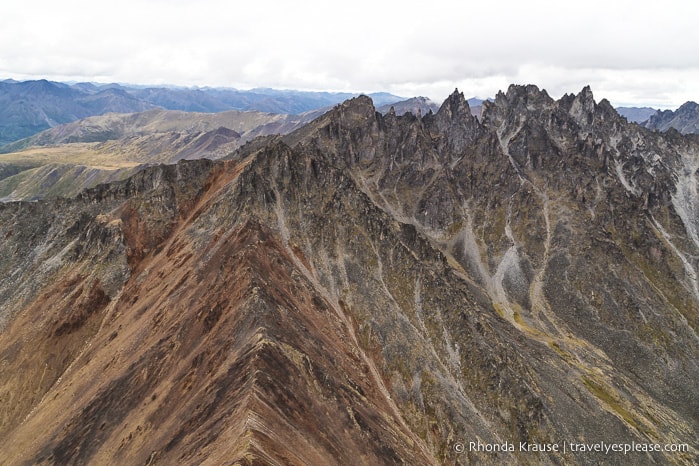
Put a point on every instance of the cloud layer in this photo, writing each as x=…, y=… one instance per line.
x=631, y=53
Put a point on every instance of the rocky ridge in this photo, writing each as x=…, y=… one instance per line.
x=64, y=160
x=685, y=119
x=29, y=107
x=392, y=285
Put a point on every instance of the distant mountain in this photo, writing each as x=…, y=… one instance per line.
x=32, y=106
x=414, y=105
x=63, y=160
x=425, y=105
x=114, y=126
x=261, y=99
x=29, y=107
x=685, y=119
x=636, y=114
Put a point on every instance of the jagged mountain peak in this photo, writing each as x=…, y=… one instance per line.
x=520, y=101
x=528, y=94
x=455, y=106
x=353, y=112
x=586, y=93
x=689, y=106
x=584, y=98
x=607, y=108
x=582, y=106
x=583, y=109
x=364, y=136
x=362, y=104
x=455, y=121
x=527, y=105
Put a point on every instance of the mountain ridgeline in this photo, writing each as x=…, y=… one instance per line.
x=29, y=107
x=64, y=160
x=367, y=289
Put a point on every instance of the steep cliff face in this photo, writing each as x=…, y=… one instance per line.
x=366, y=290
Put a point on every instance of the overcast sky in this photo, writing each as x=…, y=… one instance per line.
x=630, y=52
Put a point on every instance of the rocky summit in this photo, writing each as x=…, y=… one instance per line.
x=368, y=289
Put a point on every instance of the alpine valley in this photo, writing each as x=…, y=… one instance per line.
x=367, y=288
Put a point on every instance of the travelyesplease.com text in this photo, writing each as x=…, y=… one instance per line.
x=563, y=447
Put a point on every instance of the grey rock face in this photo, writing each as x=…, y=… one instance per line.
x=574, y=224
x=685, y=119
x=529, y=278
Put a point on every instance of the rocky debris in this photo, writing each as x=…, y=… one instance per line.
x=370, y=288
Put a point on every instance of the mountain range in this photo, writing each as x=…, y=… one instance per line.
x=63, y=160
x=28, y=107
x=636, y=114
x=367, y=288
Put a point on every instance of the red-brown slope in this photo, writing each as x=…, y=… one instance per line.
x=214, y=354
x=44, y=340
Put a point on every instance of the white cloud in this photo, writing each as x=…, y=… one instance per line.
x=630, y=52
